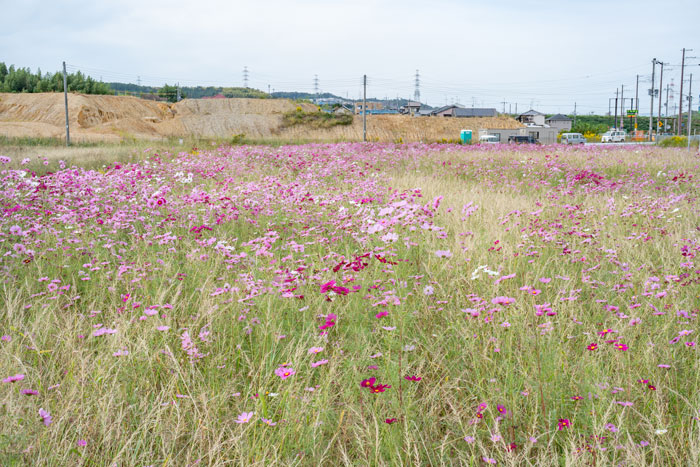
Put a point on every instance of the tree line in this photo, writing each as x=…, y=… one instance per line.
x=23, y=80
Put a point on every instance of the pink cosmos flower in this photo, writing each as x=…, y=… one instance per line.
x=13, y=379
x=381, y=314
x=285, y=373
x=502, y=300
x=82, y=443
x=29, y=392
x=318, y=363
x=412, y=378
x=244, y=417
x=443, y=253
x=563, y=423
x=315, y=350
x=610, y=427
x=46, y=417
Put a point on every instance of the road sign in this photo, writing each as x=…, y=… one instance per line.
x=631, y=113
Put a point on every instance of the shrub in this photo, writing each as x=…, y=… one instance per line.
x=314, y=119
x=676, y=142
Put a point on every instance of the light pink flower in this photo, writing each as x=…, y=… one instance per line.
x=244, y=417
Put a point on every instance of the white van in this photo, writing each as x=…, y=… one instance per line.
x=613, y=136
x=572, y=138
x=490, y=139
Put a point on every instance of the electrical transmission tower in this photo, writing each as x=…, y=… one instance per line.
x=245, y=77
x=316, y=85
x=416, y=94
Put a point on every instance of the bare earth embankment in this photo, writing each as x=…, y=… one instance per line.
x=115, y=118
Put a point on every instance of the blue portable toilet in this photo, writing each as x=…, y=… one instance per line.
x=466, y=136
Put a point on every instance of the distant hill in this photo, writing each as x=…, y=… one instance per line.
x=197, y=92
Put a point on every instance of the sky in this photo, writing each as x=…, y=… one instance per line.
x=547, y=55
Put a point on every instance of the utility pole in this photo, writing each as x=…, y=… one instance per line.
x=661, y=88
x=364, y=107
x=268, y=89
x=504, y=105
x=65, y=99
x=616, y=93
x=651, y=93
x=636, y=98
x=574, y=113
x=680, y=111
x=622, y=108
x=690, y=107
x=178, y=92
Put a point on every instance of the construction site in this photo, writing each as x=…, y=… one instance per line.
x=95, y=118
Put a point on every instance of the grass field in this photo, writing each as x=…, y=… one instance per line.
x=362, y=304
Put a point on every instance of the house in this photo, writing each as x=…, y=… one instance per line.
x=343, y=110
x=370, y=106
x=459, y=111
x=410, y=108
x=531, y=117
x=560, y=122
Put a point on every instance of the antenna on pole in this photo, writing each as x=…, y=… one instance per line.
x=245, y=77
x=416, y=93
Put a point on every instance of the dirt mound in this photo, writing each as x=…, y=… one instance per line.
x=394, y=128
x=113, y=118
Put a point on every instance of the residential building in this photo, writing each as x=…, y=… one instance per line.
x=459, y=111
x=410, y=108
x=560, y=122
x=531, y=117
x=370, y=107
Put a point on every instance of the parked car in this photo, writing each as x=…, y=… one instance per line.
x=523, y=140
x=572, y=138
x=489, y=139
x=613, y=136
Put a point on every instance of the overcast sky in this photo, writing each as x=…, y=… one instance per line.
x=544, y=54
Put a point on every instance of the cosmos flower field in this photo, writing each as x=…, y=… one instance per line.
x=363, y=304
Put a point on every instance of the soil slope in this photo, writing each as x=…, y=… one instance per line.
x=113, y=118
